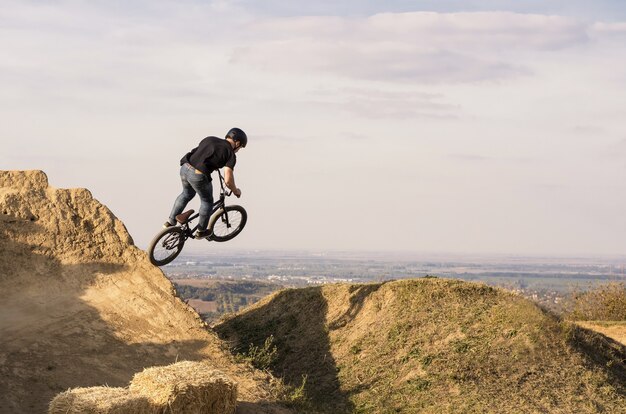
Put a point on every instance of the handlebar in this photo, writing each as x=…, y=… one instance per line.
x=226, y=193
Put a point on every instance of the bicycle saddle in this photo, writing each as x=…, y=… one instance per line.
x=183, y=217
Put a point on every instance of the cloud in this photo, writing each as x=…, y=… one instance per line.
x=481, y=30
x=589, y=130
x=135, y=47
x=614, y=29
x=475, y=158
x=375, y=103
x=584, y=9
x=420, y=47
x=617, y=149
x=397, y=62
x=378, y=103
x=442, y=30
x=471, y=158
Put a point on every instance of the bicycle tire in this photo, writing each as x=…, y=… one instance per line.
x=166, y=245
x=237, y=218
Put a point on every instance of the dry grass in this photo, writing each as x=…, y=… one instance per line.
x=604, y=303
x=615, y=330
x=432, y=346
x=99, y=400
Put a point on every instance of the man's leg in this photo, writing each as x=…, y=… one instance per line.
x=204, y=188
x=184, y=197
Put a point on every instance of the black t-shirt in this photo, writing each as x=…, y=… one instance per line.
x=211, y=154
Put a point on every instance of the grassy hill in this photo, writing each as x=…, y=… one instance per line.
x=431, y=346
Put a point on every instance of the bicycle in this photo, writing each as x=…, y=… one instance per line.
x=225, y=223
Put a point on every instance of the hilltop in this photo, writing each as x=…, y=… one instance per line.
x=431, y=346
x=81, y=306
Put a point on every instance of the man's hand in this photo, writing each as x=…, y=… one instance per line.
x=237, y=192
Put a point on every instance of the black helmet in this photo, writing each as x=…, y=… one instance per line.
x=237, y=134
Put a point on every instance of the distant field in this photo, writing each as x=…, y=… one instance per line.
x=212, y=298
x=534, y=276
x=203, y=306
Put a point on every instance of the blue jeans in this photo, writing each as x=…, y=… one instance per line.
x=194, y=183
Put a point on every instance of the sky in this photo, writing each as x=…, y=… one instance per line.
x=454, y=126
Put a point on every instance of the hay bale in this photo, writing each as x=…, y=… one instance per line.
x=187, y=387
x=99, y=400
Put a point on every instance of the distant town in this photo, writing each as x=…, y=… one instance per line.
x=546, y=280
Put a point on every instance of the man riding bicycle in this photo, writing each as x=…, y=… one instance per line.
x=195, y=173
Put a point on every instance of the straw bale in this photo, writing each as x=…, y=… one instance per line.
x=100, y=400
x=187, y=387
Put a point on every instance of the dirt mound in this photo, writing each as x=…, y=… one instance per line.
x=81, y=306
x=432, y=346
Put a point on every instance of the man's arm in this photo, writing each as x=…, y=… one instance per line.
x=229, y=180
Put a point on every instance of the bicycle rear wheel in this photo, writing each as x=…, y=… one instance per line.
x=229, y=223
x=166, y=245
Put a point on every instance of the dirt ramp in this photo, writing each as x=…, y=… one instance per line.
x=185, y=387
x=81, y=305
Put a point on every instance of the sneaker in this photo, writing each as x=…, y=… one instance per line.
x=202, y=234
x=167, y=224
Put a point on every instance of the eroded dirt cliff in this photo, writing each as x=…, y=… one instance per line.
x=80, y=305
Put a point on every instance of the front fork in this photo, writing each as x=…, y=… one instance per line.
x=219, y=211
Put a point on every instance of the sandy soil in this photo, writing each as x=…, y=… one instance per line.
x=80, y=305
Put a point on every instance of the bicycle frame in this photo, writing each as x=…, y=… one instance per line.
x=217, y=207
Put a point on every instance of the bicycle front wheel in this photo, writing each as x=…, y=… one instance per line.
x=166, y=245
x=229, y=223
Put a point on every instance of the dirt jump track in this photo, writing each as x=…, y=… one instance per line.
x=81, y=306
